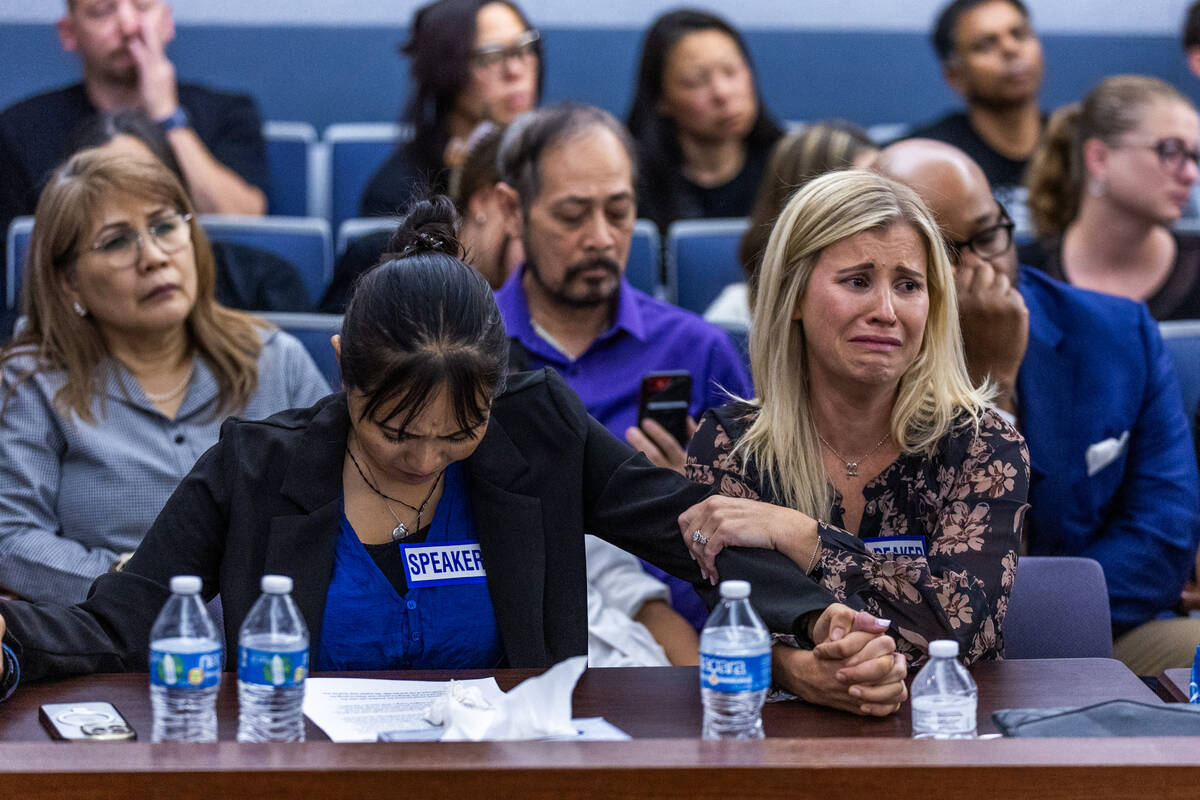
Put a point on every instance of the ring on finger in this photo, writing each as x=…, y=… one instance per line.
x=699, y=537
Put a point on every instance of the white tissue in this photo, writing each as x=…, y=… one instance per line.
x=538, y=708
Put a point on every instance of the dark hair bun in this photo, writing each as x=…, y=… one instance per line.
x=430, y=226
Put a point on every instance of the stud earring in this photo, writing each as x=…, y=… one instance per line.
x=80, y=310
x=1096, y=187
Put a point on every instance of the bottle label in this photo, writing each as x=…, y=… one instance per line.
x=272, y=668
x=735, y=673
x=185, y=670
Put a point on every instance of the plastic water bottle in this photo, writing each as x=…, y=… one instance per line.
x=943, y=696
x=185, y=667
x=735, y=666
x=272, y=665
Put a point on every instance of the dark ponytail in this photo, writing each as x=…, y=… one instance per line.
x=1055, y=177
x=422, y=321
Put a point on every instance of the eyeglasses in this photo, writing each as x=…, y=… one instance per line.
x=493, y=56
x=122, y=247
x=989, y=242
x=1171, y=152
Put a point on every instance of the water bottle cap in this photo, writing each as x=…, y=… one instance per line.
x=276, y=584
x=185, y=584
x=735, y=590
x=943, y=648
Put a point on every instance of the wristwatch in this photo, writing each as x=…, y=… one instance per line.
x=176, y=119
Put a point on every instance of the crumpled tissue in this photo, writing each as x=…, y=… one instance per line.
x=536, y=709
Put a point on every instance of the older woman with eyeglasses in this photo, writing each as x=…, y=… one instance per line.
x=122, y=373
x=1110, y=177
x=471, y=61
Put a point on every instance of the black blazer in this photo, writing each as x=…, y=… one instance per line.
x=267, y=499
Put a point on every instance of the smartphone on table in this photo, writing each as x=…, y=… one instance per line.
x=664, y=398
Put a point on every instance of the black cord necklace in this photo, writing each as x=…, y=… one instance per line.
x=401, y=530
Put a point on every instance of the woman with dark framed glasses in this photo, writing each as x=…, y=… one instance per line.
x=122, y=373
x=1110, y=177
x=471, y=61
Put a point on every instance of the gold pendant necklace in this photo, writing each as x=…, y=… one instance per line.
x=852, y=463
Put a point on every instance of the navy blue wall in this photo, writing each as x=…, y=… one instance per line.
x=326, y=75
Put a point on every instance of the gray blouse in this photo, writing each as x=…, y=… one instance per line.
x=75, y=495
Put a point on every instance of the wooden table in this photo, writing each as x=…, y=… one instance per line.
x=808, y=750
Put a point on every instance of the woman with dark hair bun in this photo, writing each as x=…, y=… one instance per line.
x=471, y=61
x=698, y=118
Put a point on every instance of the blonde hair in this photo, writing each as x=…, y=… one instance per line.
x=795, y=160
x=933, y=393
x=1057, y=175
x=59, y=339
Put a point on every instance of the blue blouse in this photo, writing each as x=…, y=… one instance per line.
x=445, y=619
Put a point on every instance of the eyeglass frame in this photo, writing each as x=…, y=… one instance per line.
x=1005, y=224
x=493, y=56
x=1166, y=159
x=139, y=239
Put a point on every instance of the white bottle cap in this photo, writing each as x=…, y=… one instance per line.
x=185, y=584
x=943, y=648
x=276, y=584
x=735, y=590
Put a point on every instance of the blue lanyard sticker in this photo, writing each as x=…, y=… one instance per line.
x=896, y=546
x=444, y=564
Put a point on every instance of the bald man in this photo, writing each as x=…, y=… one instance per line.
x=1088, y=383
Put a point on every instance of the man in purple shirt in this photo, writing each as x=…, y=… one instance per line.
x=568, y=178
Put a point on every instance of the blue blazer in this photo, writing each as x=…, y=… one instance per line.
x=1097, y=386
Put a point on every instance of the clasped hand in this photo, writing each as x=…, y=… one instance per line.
x=854, y=666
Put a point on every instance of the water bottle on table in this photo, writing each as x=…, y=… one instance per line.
x=735, y=666
x=185, y=667
x=943, y=696
x=272, y=665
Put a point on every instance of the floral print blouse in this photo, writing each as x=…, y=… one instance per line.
x=966, y=502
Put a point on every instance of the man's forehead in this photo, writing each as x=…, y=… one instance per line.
x=986, y=19
x=591, y=162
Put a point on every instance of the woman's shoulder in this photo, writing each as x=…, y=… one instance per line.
x=970, y=443
x=734, y=418
x=539, y=397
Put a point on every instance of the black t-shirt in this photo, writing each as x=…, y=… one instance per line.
x=253, y=279
x=675, y=198
x=1177, y=298
x=1006, y=175
x=360, y=256
x=35, y=133
x=398, y=182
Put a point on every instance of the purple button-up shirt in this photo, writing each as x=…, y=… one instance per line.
x=646, y=335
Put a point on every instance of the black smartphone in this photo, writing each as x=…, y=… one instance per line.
x=85, y=722
x=664, y=398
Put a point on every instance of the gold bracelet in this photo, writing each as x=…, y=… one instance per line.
x=812, y=562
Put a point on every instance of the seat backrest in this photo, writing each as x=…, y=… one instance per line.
x=351, y=230
x=17, y=245
x=313, y=331
x=356, y=151
x=702, y=260
x=304, y=241
x=1058, y=609
x=290, y=166
x=1182, y=340
x=886, y=132
x=642, y=268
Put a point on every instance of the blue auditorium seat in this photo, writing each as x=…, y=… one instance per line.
x=1058, y=609
x=702, y=260
x=304, y=241
x=356, y=151
x=313, y=331
x=1182, y=339
x=291, y=165
x=642, y=268
x=17, y=246
x=351, y=230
